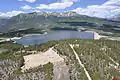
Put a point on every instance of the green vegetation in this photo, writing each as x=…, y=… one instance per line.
x=95, y=54
x=96, y=76
x=20, y=33
x=11, y=49
x=16, y=56
x=98, y=56
x=67, y=28
x=17, y=72
x=47, y=69
x=42, y=47
x=6, y=55
x=11, y=46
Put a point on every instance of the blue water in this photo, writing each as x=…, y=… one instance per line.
x=55, y=35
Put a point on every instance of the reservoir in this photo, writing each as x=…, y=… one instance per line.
x=54, y=35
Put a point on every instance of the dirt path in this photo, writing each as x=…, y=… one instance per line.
x=80, y=62
x=117, y=64
x=61, y=71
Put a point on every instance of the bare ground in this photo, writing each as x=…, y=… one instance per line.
x=61, y=71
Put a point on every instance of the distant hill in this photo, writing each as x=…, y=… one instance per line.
x=116, y=18
x=48, y=20
x=32, y=20
x=2, y=22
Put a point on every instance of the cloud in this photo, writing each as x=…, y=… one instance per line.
x=30, y=1
x=61, y=5
x=10, y=14
x=26, y=7
x=106, y=10
x=70, y=0
x=112, y=2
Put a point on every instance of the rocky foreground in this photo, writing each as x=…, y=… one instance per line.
x=61, y=60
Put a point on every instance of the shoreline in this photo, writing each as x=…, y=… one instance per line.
x=96, y=35
x=27, y=35
x=10, y=39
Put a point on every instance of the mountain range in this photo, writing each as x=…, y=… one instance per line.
x=48, y=20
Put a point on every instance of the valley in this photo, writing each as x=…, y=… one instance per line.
x=59, y=39
x=59, y=46
x=42, y=22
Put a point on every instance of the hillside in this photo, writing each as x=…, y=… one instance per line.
x=46, y=21
x=116, y=18
x=83, y=60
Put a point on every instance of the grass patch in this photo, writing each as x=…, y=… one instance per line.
x=47, y=69
x=7, y=55
x=11, y=46
x=18, y=72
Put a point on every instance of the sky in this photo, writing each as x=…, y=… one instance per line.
x=94, y=8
